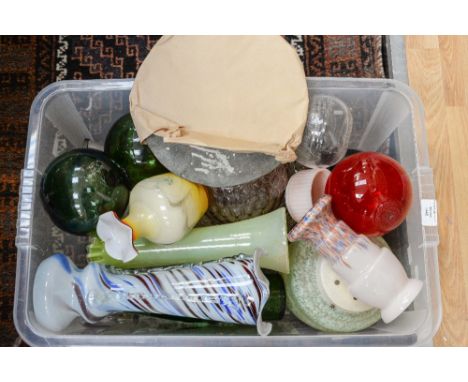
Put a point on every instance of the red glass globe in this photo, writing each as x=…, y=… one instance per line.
x=370, y=192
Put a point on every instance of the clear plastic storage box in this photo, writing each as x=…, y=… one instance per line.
x=387, y=117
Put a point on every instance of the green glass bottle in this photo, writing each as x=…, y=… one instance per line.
x=123, y=147
x=80, y=185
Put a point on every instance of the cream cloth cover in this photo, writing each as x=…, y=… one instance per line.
x=240, y=93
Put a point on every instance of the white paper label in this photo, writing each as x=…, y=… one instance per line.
x=60, y=145
x=429, y=212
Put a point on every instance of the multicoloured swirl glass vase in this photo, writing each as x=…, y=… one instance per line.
x=232, y=290
x=374, y=275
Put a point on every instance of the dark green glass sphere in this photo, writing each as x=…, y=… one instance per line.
x=80, y=185
x=123, y=147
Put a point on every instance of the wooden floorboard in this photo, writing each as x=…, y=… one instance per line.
x=438, y=72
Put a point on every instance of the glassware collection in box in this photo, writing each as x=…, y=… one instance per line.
x=142, y=199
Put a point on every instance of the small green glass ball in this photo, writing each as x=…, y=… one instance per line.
x=80, y=185
x=123, y=147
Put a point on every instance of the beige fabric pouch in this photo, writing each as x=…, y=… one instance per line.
x=240, y=93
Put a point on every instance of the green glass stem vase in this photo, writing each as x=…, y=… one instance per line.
x=210, y=243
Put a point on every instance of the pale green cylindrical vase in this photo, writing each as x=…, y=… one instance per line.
x=268, y=232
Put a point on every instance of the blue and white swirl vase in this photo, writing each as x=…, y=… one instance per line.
x=230, y=290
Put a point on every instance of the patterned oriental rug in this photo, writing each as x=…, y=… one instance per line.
x=29, y=63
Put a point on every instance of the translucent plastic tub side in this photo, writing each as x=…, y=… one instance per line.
x=387, y=116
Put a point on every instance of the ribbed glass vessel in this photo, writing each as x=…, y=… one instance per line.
x=231, y=204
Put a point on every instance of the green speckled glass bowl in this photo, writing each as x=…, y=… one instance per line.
x=306, y=299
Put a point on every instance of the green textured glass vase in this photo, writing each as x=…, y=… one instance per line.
x=123, y=147
x=248, y=200
x=80, y=185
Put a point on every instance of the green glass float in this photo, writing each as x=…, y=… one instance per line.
x=123, y=147
x=80, y=185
